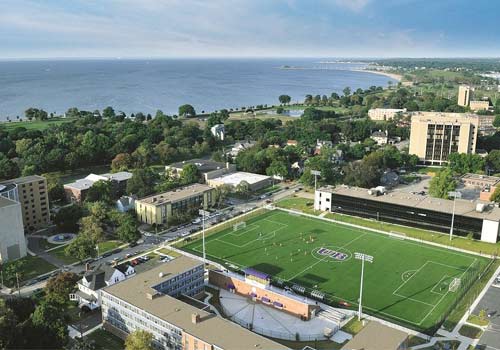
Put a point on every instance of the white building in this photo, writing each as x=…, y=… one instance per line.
x=384, y=113
x=218, y=131
x=241, y=146
x=380, y=137
x=12, y=241
x=89, y=287
x=256, y=181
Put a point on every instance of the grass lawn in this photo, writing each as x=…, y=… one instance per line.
x=408, y=282
x=306, y=206
x=353, y=326
x=34, y=266
x=103, y=248
x=104, y=340
x=470, y=331
x=478, y=320
x=108, y=245
x=298, y=203
x=36, y=125
x=169, y=252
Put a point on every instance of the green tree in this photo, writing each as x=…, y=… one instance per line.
x=442, y=183
x=462, y=163
x=67, y=218
x=187, y=111
x=8, y=321
x=189, y=174
x=127, y=230
x=496, y=121
x=82, y=344
x=99, y=210
x=49, y=317
x=493, y=161
x=277, y=168
x=91, y=226
x=139, y=340
x=284, y=99
x=243, y=188
x=35, y=113
x=121, y=162
x=221, y=193
x=72, y=112
x=108, y=112
x=59, y=287
x=495, y=197
x=81, y=248
x=55, y=188
x=142, y=182
x=8, y=169
x=346, y=91
x=100, y=191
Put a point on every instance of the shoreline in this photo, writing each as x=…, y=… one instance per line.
x=394, y=76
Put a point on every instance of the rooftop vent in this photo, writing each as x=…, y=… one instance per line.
x=195, y=318
x=160, y=274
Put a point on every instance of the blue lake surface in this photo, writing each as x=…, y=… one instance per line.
x=148, y=85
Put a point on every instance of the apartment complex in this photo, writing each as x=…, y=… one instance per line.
x=384, y=113
x=464, y=95
x=12, y=241
x=31, y=193
x=435, y=135
x=159, y=208
x=148, y=301
x=480, y=105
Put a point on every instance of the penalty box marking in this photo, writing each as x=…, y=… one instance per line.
x=268, y=235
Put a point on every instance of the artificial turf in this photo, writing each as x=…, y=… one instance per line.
x=408, y=282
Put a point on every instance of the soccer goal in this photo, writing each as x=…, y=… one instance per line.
x=239, y=225
x=455, y=284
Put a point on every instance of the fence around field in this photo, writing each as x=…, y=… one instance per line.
x=471, y=276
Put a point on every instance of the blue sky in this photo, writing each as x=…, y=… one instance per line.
x=192, y=28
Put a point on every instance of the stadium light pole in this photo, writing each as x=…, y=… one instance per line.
x=363, y=258
x=203, y=212
x=316, y=173
x=455, y=195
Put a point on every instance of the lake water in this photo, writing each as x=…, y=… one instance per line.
x=148, y=85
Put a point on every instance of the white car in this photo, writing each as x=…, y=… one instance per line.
x=497, y=280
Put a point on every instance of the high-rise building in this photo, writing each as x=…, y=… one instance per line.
x=12, y=241
x=435, y=135
x=34, y=199
x=464, y=92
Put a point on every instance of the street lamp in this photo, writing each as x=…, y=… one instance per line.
x=455, y=195
x=203, y=213
x=363, y=258
x=316, y=173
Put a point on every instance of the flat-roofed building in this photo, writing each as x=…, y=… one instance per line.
x=376, y=336
x=464, y=95
x=12, y=240
x=479, y=105
x=159, y=208
x=480, y=181
x=76, y=191
x=435, y=135
x=479, y=218
x=207, y=168
x=255, y=181
x=148, y=301
x=33, y=196
x=385, y=113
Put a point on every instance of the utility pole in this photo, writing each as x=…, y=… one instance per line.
x=455, y=195
x=363, y=258
x=316, y=173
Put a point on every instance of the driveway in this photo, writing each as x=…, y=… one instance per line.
x=490, y=340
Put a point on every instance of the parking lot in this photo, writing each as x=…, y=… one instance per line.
x=490, y=340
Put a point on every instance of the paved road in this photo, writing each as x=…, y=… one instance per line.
x=490, y=340
x=150, y=242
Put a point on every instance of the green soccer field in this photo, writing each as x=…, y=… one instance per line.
x=407, y=282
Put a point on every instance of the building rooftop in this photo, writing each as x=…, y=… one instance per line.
x=203, y=165
x=5, y=202
x=89, y=180
x=210, y=328
x=235, y=178
x=492, y=180
x=119, y=176
x=463, y=207
x=446, y=115
x=175, y=195
x=81, y=184
x=376, y=336
x=24, y=179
